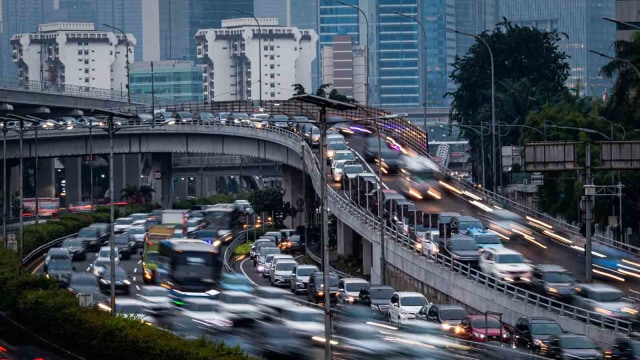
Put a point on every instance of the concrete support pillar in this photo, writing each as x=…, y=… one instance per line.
x=345, y=239
x=161, y=164
x=294, y=194
x=47, y=177
x=212, y=185
x=366, y=258
x=133, y=169
x=119, y=175
x=14, y=180
x=73, y=179
x=376, y=265
x=181, y=188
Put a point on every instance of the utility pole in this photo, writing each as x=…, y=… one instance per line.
x=589, y=192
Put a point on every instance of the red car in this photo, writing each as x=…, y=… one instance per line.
x=479, y=328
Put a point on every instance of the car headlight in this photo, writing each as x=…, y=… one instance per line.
x=478, y=335
x=445, y=326
x=127, y=282
x=552, y=290
x=537, y=342
x=403, y=312
x=104, y=281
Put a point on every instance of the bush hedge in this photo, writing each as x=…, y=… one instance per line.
x=54, y=314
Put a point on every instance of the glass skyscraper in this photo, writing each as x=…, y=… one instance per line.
x=582, y=22
x=173, y=81
x=181, y=19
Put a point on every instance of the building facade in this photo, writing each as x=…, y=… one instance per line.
x=344, y=66
x=581, y=21
x=173, y=81
x=627, y=11
x=234, y=55
x=73, y=54
x=181, y=19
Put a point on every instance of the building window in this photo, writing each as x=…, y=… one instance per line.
x=271, y=47
x=86, y=52
x=79, y=52
x=273, y=94
x=272, y=76
x=272, y=66
x=266, y=47
x=86, y=62
x=86, y=80
x=86, y=71
x=271, y=57
x=273, y=85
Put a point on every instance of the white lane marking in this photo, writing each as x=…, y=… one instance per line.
x=139, y=262
x=180, y=324
x=88, y=268
x=298, y=257
x=135, y=270
x=245, y=274
x=137, y=287
x=134, y=278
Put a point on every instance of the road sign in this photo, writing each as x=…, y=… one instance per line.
x=12, y=244
x=550, y=156
x=85, y=300
x=619, y=155
x=157, y=175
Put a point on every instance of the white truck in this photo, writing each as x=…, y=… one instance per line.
x=172, y=217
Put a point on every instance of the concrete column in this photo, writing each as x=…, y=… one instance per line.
x=161, y=163
x=181, y=188
x=212, y=185
x=133, y=169
x=119, y=177
x=294, y=194
x=14, y=179
x=47, y=177
x=376, y=266
x=73, y=179
x=345, y=239
x=366, y=258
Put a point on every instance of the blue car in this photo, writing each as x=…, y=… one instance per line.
x=485, y=238
x=236, y=282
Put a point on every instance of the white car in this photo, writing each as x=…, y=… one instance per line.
x=269, y=260
x=252, y=252
x=205, y=312
x=404, y=305
x=137, y=233
x=238, y=306
x=300, y=277
x=105, y=254
x=122, y=224
x=506, y=265
x=606, y=300
x=336, y=169
x=271, y=300
x=425, y=243
x=349, y=289
x=282, y=271
x=303, y=320
x=156, y=299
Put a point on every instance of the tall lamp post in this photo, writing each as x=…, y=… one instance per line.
x=493, y=102
x=126, y=41
x=259, y=51
x=629, y=63
x=5, y=205
x=426, y=72
x=366, y=20
x=37, y=122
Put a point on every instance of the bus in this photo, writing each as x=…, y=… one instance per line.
x=152, y=238
x=419, y=178
x=188, y=268
x=222, y=222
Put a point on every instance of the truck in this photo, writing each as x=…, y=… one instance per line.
x=172, y=217
x=150, y=253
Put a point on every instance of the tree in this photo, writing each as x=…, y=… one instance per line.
x=529, y=71
x=130, y=193
x=269, y=200
x=335, y=95
x=322, y=90
x=145, y=193
x=221, y=185
x=298, y=90
x=627, y=78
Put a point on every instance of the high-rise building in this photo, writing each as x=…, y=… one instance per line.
x=627, y=11
x=173, y=81
x=473, y=17
x=344, y=66
x=581, y=21
x=73, y=54
x=181, y=19
x=240, y=51
x=279, y=9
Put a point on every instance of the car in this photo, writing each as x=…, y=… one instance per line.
x=391, y=161
x=76, y=248
x=103, y=228
x=482, y=328
x=605, y=300
x=404, y=305
x=139, y=216
x=252, y=251
x=91, y=238
x=137, y=234
x=292, y=245
x=238, y=307
x=316, y=290
x=336, y=169
x=534, y=333
x=553, y=281
x=57, y=254
x=371, y=148
x=425, y=243
x=363, y=341
x=265, y=262
x=236, y=282
x=156, y=299
x=300, y=277
x=281, y=272
x=122, y=280
x=124, y=246
x=485, y=238
x=332, y=148
x=448, y=316
x=83, y=283
x=506, y=265
x=60, y=270
x=573, y=346
x=271, y=300
x=624, y=349
x=460, y=248
x=105, y=254
x=377, y=297
x=277, y=234
x=204, y=312
x=122, y=224
x=349, y=289
x=460, y=224
x=130, y=308
x=287, y=233
x=343, y=155
x=350, y=169
x=303, y=320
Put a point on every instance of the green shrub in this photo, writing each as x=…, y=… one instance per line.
x=243, y=249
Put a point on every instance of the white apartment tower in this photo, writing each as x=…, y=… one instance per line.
x=234, y=55
x=66, y=53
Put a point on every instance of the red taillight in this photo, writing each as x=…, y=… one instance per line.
x=3, y=349
x=149, y=243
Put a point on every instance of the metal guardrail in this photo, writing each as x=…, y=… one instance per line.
x=42, y=249
x=228, y=252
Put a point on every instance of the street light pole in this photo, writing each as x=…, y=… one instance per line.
x=112, y=245
x=325, y=234
x=366, y=20
x=426, y=72
x=259, y=51
x=4, y=184
x=493, y=102
x=482, y=135
x=629, y=63
x=21, y=196
x=126, y=41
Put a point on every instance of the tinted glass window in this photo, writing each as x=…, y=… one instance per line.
x=145, y=291
x=286, y=266
x=510, y=259
x=413, y=301
x=306, y=271
x=487, y=239
x=378, y=293
x=355, y=286
x=558, y=277
x=490, y=323
x=452, y=314
x=606, y=295
x=463, y=245
x=545, y=329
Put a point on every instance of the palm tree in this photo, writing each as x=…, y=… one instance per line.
x=627, y=79
x=322, y=90
x=298, y=90
x=145, y=192
x=130, y=193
